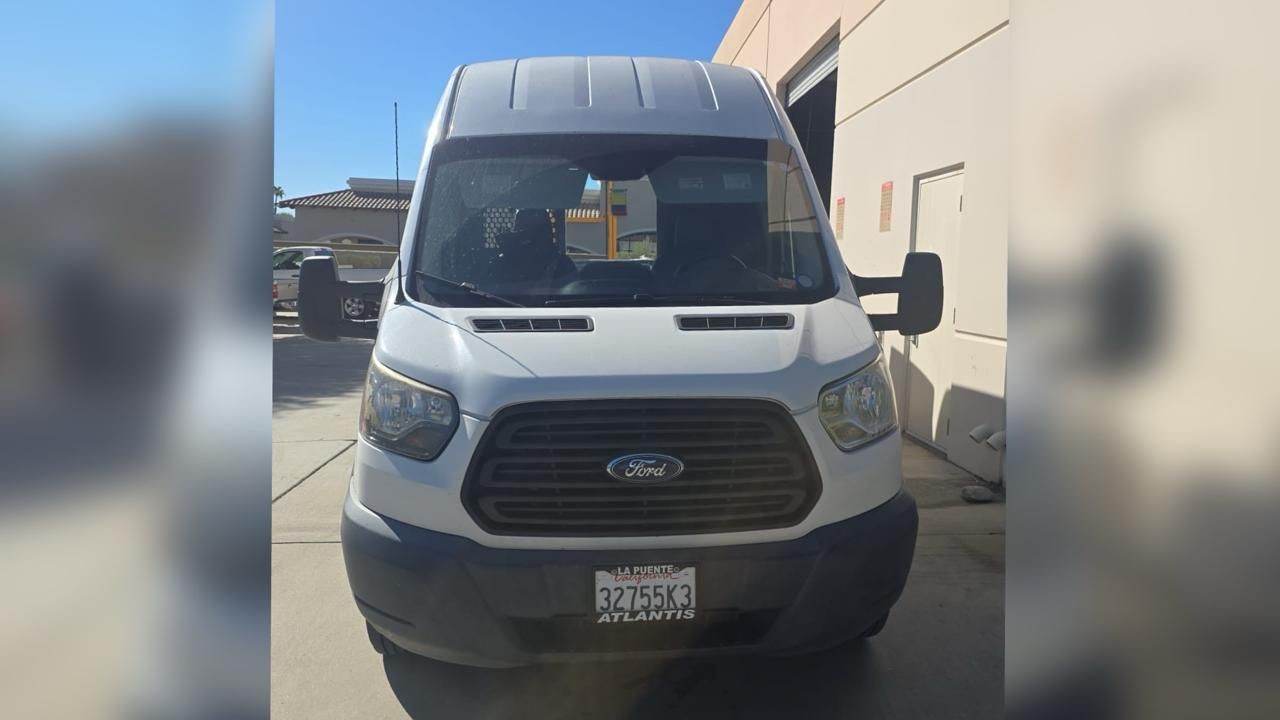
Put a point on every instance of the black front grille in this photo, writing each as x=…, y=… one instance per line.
x=540, y=468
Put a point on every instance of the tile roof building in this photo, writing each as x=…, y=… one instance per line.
x=368, y=211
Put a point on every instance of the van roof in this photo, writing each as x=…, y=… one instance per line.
x=610, y=95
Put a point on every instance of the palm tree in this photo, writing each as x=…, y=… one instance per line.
x=278, y=193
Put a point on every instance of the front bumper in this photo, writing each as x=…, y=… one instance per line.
x=453, y=599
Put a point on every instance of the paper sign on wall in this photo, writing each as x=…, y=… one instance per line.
x=839, y=218
x=886, y=205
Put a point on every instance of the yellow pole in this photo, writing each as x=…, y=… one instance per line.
x=610, y=222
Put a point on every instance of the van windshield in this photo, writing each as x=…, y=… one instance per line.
x=608, y=220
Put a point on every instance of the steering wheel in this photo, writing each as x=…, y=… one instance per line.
x=683, y=267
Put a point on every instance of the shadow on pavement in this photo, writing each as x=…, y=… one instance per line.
x=306, y=371
x=843, y=682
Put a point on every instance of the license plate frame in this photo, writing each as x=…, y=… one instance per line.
x=645, y=593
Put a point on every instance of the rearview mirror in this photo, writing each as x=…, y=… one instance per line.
x=919, y=291
x=320, y=295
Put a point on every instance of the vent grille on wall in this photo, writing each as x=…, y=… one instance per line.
x=550, y=324
x=780, y=321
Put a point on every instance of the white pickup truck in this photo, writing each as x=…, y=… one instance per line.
x=353, y=266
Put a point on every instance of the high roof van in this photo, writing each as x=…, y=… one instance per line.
x=682, y=441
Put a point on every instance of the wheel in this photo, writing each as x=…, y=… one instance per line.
x=876, y=627
x=381, y=644
x=353, y=308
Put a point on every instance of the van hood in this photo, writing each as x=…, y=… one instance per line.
x=631, y=352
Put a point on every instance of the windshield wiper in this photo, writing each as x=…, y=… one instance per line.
x=466, y=287
x=651, y=299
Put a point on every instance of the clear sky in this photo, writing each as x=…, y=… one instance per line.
x=73, y=69
x=340, y=65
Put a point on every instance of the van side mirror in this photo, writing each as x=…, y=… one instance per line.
x=320, y=295
x=919, y=291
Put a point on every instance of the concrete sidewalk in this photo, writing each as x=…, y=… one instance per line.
x=941, y=655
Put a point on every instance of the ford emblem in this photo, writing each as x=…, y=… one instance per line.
x=645, y=468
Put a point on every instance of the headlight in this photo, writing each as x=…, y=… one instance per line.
x=859, y=408
x=405, y=416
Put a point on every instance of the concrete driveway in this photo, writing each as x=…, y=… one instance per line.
x=941, y=655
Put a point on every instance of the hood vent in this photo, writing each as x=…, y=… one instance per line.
x=538, y=324
x=781, y=321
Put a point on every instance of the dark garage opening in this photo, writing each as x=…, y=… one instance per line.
x=814, y=118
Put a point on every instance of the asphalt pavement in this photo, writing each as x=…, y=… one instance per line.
x=941, y=655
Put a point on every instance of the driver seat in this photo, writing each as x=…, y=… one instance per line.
x=699, y=233
x=529, y=251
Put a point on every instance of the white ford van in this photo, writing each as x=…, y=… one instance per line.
x=683, y=444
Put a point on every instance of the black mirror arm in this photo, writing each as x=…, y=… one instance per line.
x=875, y=285
x=883, y=321
x=863, y=286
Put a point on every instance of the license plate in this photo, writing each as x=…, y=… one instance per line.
x=645, y=593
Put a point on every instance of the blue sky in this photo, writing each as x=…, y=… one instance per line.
x=73, y=69
x=340, y=65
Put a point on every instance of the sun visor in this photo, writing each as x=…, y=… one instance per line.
x=520, y=183
x=709, y=180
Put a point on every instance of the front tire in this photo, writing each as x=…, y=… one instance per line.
x=381, y=644
x=875, y=628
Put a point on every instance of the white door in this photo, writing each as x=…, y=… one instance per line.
x=285, y=266
x=939, y=202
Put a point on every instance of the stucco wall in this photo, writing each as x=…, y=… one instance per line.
x=586, y=235
x=642, y=207
x=953, y=115
x=902, y=39
x=956, y=114
x=922, y=85
x=312, y=224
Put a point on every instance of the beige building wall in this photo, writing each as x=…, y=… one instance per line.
x=922, y=86
x=742, y=33
x=588, y=235
x=315, y=224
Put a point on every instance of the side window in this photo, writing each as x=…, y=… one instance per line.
x=287, y=260
x=633, y=209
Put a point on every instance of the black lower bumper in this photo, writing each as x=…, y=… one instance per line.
x=450, y=598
